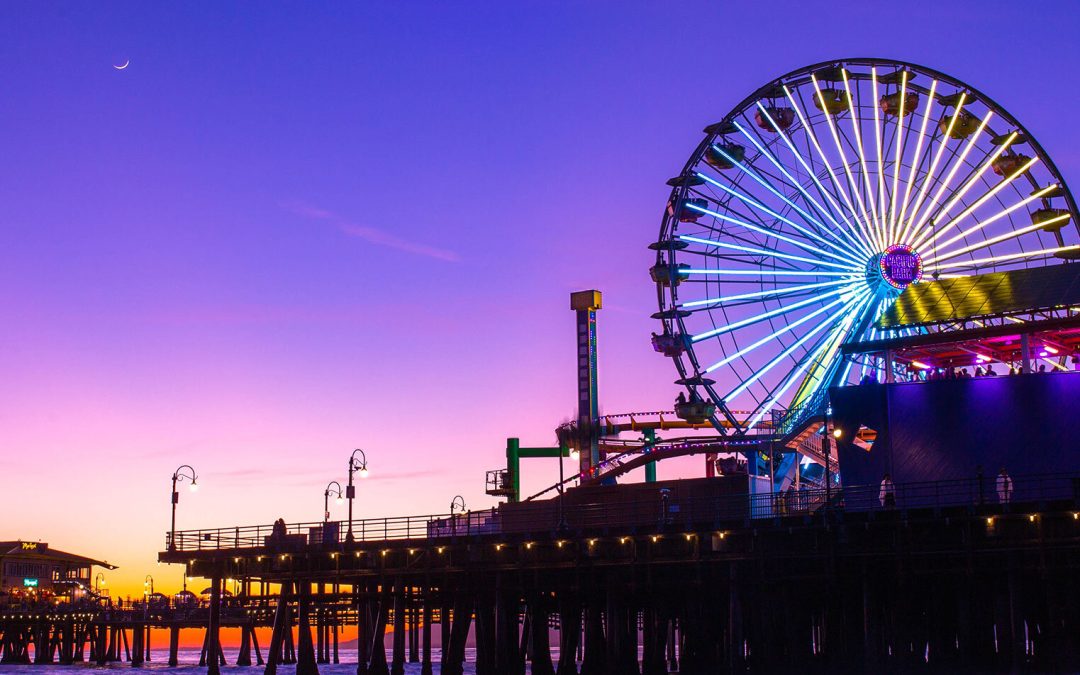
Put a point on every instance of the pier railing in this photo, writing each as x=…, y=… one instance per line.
x=662, y=512
x=332, y=533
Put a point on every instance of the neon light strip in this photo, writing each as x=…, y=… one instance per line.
x=987, y=163
x=751, y=202
x=761, y=230
x=761, y=294
x=942, y=145
x=780, y=273
x=795, y=184
x=820, y=366
x=1010, y=256
x=804, y=364
x=866, y=224
x=877, y=141
x=893, y=227
x=982, y=224
x=976, y=204
x=765, y=315
x=865, y=243
x=847, y=371
x=785, y=329
x=936, y=199
x=862, y=158
x=776, y=192
x=918, y=156
x=857, y=243
x=783, y=355
x=767, y=252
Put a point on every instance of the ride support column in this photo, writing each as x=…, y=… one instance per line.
x=585, y=304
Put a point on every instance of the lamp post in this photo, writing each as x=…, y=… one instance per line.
x=99, y=581
x=458, y=503
x=148, y=586
x=326, y=498
x=179, y=476
x=350, y=492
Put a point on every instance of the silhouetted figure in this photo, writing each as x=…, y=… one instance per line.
x=978, y=371
x=680, y=399
x=887, y=493
x=990, y=371
x=964, y=373
x=1042, y=368
x=279, y=531
x=1004, y=486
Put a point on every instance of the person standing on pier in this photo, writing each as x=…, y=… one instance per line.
x=887, y=493
x=1004, y=487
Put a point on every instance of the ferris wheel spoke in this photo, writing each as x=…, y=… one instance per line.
x=805, y=245
x=834, y=208
x=758, y=205
x=764, y=370
x=866, y=224
x=762, y=294
x=893, y=228
x=854, y=231
x=879, y=134
x=767, y=252
x=857, y=133
x=772, y=336
x=910, y=182
x=1046, y=252
x=971, y=180
x=795, y=183
x=976, y=204
x=766, y=315
x=944, y=185
x=830, y=340
x=930, y=257
x=754, y=272
x=930, y=176
x=764, y=183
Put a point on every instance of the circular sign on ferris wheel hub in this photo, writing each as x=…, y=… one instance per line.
x=900, y=266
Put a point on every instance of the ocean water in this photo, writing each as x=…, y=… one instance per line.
x=189, y=663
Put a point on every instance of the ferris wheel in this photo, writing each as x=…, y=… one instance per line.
x=806, y=211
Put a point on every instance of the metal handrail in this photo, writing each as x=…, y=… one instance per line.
x=659, y=512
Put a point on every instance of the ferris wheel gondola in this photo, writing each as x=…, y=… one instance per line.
x=806, y=211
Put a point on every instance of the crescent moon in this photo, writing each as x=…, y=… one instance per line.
x=126, y=64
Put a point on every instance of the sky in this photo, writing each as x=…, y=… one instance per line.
x=287, y=230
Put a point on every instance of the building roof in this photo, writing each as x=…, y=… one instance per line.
x=41, y=551
x=985, y=295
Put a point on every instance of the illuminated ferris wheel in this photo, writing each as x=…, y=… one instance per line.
x=809, y=208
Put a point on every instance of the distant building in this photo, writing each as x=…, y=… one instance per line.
x=30, y=569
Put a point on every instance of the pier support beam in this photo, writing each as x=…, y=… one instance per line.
x=540, y=644
x=277, y=634
x=397, y=666
x=425, y=655
x=454, y=650
x=305, y=657
x=569, y=634
x=213, y=638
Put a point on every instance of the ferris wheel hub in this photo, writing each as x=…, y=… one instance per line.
x=897, y=267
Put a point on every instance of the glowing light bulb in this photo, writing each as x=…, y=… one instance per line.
x=194, y=487
x=363, y=472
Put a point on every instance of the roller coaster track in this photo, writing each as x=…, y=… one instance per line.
x=633, y=454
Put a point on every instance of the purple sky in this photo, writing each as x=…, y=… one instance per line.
x=281, y=234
